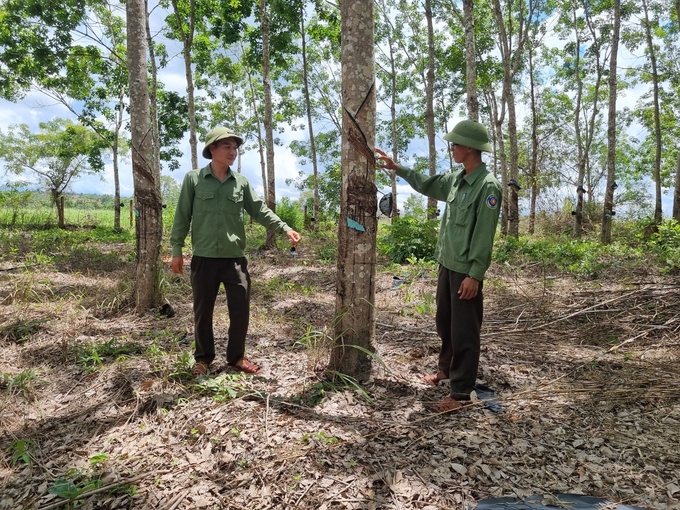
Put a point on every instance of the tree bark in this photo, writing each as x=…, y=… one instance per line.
x=114, y=157
x=268, y=122
x=533, y=171
x=258, y=124
x=658, y=211
x=585, y=137
x=676, y=194
x=58, y=200
x=149, y=228
x=355, y=296
x=578, y=213
x=187, y=42
x=606, y=234
x=511, y=61
x=470, y=64
x=429, y=109
x=310, y=124
x=500, y=152
x=393, y=113
x=153, y=110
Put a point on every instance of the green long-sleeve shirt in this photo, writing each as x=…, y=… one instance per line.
x=468, y=227
x=214, y=211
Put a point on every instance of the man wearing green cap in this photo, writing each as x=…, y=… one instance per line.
x=212, y=202
x=473, y=202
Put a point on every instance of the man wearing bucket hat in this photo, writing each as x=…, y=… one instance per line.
x=468, y=226
x=212, y=202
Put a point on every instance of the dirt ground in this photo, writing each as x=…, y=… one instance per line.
x=97, y=410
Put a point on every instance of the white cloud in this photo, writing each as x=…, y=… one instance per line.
x=32, y=110
x=35, y=109
x=174, y=82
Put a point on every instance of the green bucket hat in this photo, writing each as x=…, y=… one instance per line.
x=470, y=133
x=218, y=133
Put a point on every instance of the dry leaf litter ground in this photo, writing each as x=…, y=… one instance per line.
x=586, y=374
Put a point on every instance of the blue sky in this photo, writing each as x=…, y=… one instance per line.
x=36, y=108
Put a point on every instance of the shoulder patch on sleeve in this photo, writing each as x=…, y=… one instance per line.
x=492, y=201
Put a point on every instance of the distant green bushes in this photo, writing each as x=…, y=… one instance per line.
x=639, y=246
x=631, y=253
x=664, y=245
x=409, y=237
x=291, y=213
x=634, y=248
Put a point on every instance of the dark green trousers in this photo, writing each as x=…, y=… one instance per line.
x=206, y=276
x=459, y=322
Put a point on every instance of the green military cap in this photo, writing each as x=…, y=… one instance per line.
x=470, y=133
x=218, y=133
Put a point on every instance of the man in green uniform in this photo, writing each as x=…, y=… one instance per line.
x=212, y=202
x=473, y=202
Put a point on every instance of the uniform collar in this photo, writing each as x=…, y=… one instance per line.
x=472, y=176
x=207, y=171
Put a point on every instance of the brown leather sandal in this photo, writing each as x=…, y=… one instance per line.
x=201, y=368
x=246, y=366
x=434, y=378
x=448, y=404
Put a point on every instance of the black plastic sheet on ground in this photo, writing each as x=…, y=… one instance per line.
x=570, y=501
x=489, y=397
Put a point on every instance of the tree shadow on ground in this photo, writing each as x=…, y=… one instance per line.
x=79, y=424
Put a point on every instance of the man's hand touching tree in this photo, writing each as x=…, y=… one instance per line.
x=387, y=162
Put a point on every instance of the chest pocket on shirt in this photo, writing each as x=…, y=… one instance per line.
x=234, y=202
x=206, y=201
x=464, y=212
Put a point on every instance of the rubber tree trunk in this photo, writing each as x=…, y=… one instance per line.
x=513, y=33
x=470, y=64
x=429, y=112
x=310, y=120
x=187, y=35
x=676, y=194
x=355, y=297
x=578, y=213
x=606, y=233
x=146, y=177
x=270, y=242
x=394, y=131
x=114, y=158
x=533, y=171
x=658, y=211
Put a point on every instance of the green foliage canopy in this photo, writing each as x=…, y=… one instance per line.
x=60, y=153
